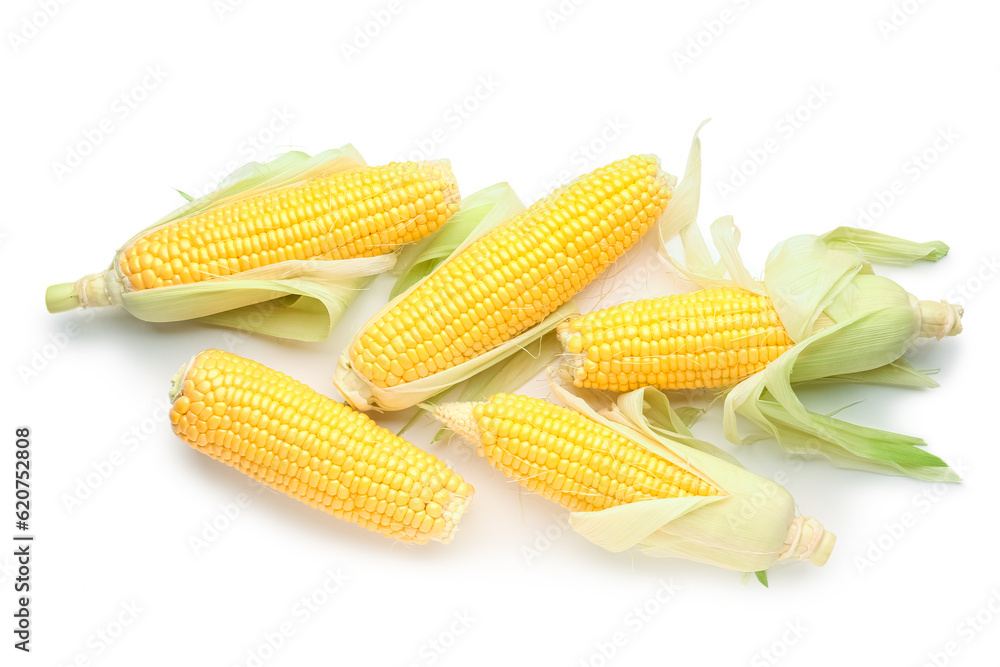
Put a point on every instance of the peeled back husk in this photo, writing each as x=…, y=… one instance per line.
x=298, y=299
x=848, y=324
x=748, y=528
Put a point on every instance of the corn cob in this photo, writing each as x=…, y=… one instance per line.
x=510, y=279
x=313, y=449
x=709, y=338
x=570, y=460
x=360, y=212
x=728, y=516
x=705, y=339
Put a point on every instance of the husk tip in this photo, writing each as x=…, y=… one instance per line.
x=939, y=249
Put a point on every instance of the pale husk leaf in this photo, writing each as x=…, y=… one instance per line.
x=309, y=317
x=259, y=177
x=506, y=377
x=364, y=395
x=726, y=236
x=649, y=410
x=852, y=446
x=802, y=277
x=527, y=362
x=324, y=289
x=884, y=249
x=681, y=215
x=868, y=341
x=899, y=373
x=625, y=526
x=303, y=299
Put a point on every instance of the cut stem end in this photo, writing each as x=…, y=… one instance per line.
x=939, y=319
x=808, y=540
x=61, y=298
x=823, y=550
x=87, y=292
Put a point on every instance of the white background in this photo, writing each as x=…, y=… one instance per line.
x=567, y=93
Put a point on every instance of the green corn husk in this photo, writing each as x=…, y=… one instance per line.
x=848, y=325
x=364, y=395
x=297, y=299
x=749, y=528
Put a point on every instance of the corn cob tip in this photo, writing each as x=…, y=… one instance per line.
x=451, y=513
x=177, y=381
x=808, y=540
x=939, y=319
x=572, y=358
x=459, y=418
x=651, y=158
x=563, y=333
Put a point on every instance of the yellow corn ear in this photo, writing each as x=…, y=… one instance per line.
x=578, y=463
x=633, y=488
x=361, y=212
x=708, y=338
x=313, y=449
x=514, y=276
